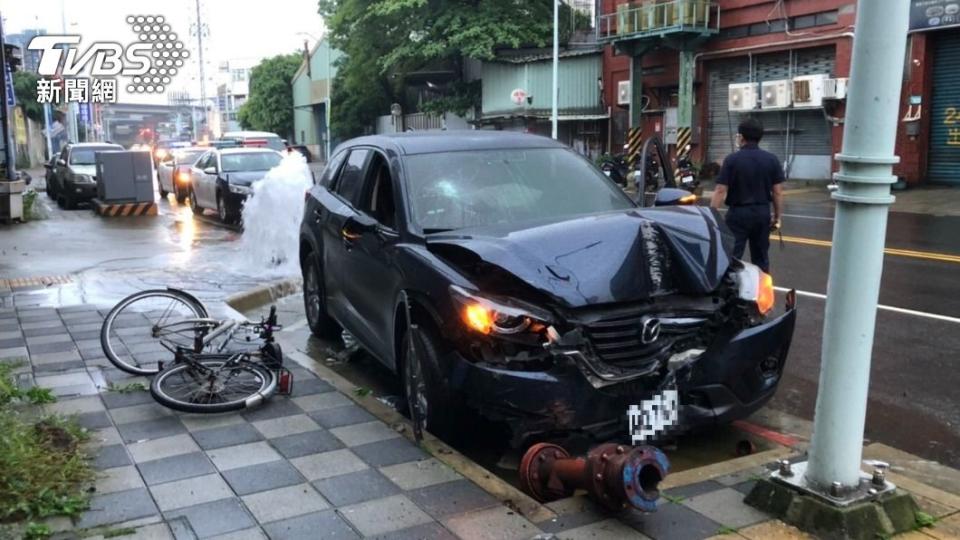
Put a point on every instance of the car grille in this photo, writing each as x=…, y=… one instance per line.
x=617, y=338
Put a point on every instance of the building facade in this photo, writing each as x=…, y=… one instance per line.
x=311, y=98
x=703, y=66
x=233, y=87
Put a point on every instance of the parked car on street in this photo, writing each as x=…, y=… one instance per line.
x=221, y=178
x=74, y=177
x=545, y=298
x=173, y=172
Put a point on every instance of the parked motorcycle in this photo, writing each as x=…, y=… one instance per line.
x=687, y=176
x=616, y=167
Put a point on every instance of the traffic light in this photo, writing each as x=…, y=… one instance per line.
x=13, y=56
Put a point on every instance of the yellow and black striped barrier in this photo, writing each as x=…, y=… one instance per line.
x=684, y=136
x=124, y=209
x=634, y=145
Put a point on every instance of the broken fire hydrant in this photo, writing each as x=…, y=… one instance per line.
x=612, y=474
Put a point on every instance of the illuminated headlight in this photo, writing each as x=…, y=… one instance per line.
x=240, y=190
x=502, y=317
x=83, y=179
x=756, y=286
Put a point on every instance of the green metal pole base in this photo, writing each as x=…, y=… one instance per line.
x=889, y=514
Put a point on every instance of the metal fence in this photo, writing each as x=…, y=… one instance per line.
x=635, y=19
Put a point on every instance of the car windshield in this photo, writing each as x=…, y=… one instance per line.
x=188, y=157
x=87, y=156
x=455, y=190
x=250, y=161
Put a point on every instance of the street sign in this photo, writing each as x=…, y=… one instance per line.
x=85, y=116
x=11, y=99
x=934, y=14
x=518, y=96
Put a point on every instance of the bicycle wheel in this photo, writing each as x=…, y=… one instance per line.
x=142, y=329
x=213, y=385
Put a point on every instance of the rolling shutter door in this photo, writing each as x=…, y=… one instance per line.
x=811, y=134
x=945, y=117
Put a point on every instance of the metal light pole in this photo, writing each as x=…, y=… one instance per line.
x=856, y=260
x=8, y=149
x=556, y=64
x=329, y=102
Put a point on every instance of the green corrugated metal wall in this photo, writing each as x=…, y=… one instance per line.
x=579, y=92
x=945, y=110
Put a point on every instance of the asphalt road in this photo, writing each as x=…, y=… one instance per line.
x=913, y=403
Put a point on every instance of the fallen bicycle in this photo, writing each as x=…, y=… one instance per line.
x=199, y=364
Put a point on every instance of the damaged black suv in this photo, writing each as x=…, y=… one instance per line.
x=542, y=295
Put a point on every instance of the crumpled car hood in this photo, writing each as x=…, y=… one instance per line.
x=614, y=257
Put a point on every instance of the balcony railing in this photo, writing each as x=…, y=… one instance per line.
x=650, y=18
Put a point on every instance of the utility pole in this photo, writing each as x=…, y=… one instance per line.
x=856, y=260
x=328, y=111
x=556, y=65
x=203, y=77
x=7, y=135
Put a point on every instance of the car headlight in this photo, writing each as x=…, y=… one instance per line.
x=755, y=285
x=83, y=179
x=240, y=190
x=501, y=317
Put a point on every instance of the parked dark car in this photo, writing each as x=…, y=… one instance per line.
x=545, y=297
x=74, y=177
x=222, y=178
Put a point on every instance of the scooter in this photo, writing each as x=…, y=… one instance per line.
x=616, y=167
x=686, y=174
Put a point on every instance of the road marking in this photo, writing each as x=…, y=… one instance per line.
x=903, y=311
x=780, y=438
x=943, y=257
x=800, y=216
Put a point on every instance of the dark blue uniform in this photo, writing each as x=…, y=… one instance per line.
x=750, y=174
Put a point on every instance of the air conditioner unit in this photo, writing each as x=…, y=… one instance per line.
x=742, y=96
x=808, y=90
x=775, y=94
x=835, y=88
x=623, y=93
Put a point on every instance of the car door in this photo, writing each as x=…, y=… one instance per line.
x=202, y=182
x=60, y=170
x=371, y=280
x=164, y=172
x=196, y=175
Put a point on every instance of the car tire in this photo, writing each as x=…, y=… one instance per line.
x=319, y=320
x=163, y=193
x=223, y=211
x=423, y=384
x=51, y=191
x=194, y=204
x=180, y=196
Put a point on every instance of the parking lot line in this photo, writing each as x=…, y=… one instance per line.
x=943, y=257
x=894, y=309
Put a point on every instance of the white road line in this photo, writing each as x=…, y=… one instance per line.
x=821, y=218
x=903, y=311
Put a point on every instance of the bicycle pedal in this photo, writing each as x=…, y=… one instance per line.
x=284, y=382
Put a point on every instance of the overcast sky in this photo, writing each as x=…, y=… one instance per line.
x=242, y=30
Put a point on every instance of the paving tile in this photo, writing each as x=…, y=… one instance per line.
x=119, y=479
x=367, y=432
x=356, y=487
x=451, y=498
x=74, y=390
x=427, y=531
x=273, y=408
x=76, y=405
x=608, y=529
x=151, y=429
x=162, y=448
x=745, y=487
x=117, y=400
x=389, y=452
x=9, y=343
x=234, y=434
x=140, y=413
x=284, y=503
x=671, y=521
x=94, y=420
x=301, y=444
x=199, y=422
x=157, y=531
x=341, y=416
x=53, y=335
x=55, y=357
x=326, y=400
x=497, y=523
x=246, y=534
x=328, y=464
x=571, y=520
x=322, y=525
x=418, y=474
x=117, y=507
x=65, y=379
x=214, y=518
x=305, y=387
x=44, y=323
x=726, y=507
x=104, y=437
x=242, y=455
x=110, y=456
x=285, y=425
x=263, y=477
x=54, y=367
x=692, y=490
x=175, y=468
x=10, y=334
x=13, y=352
x=385, y=515
x=62, y=346
x=49, y=331
x=190, y=492
x=778, y=530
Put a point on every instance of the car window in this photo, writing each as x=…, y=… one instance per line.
x=378, y=199
x=209, y=160
x=187, y=158
x=249, y=161
x=331, y=170
x=350, y=182
x=88, y=156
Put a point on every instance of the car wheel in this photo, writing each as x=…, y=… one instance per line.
x=51, y=190
x=224, y=212
x=68, y=202
x=194, y=205
x=60, y=201
x=163, y=193
x=179, y=194
x=320, y=323
x=423, y=386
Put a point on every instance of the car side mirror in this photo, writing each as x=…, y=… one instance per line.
x=674, y=197
x=47, y=165
x=61, y=162
x=356, y=226
x=210, y=170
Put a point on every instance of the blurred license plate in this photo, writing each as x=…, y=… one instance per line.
x=687, y=179
x=654, y=416
x=606, y=173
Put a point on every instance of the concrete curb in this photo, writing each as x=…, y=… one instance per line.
x=262, y=295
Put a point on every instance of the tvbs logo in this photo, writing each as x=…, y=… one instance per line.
x=150, y=61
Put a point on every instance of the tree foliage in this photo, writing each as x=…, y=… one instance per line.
x=269, y=106
x=385, y=39
x=25, y=90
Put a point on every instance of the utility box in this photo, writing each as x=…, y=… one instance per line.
x=124, y=176
x=776, y=94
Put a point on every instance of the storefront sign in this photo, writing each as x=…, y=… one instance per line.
x=934, y=14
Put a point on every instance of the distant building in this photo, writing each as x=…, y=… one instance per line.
x=31, y=58
x=311, y=87
x=233, y=87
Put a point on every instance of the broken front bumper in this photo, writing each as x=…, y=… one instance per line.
x=730, y=380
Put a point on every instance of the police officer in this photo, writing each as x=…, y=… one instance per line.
x=750, y=179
